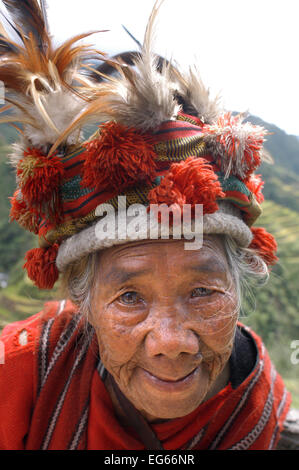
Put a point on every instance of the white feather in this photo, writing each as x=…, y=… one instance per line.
x=18, y=151
x=147, y=103
x=61, y=107
x=143, y=98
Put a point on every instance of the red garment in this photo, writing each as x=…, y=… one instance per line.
x=52, y=396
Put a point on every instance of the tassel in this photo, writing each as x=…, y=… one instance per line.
x=39, y=179
x=255, y=184
x=265, y=244
x=26, y=217
x=192, y=181
x=41, y=267
x=119, y=158
x=237, y=147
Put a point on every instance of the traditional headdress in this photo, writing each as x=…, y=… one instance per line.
x=160, y=139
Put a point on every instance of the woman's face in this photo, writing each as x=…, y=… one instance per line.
x=165, y=320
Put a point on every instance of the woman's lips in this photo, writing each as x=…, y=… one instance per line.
x=169, y=384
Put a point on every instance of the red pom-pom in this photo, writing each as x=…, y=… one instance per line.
x=255, y=184
x=192, y=181
x=119, y=158
x=265, y=244
x=39, y=179
x=41, y=266
x=26, y=217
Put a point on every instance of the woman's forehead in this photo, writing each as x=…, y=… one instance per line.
x=147, y=254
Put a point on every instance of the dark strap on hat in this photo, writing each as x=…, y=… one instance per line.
x=136, y=420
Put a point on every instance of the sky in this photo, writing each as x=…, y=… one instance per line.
x=245, y=50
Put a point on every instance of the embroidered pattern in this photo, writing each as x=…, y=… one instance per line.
x=59, y=405
x=279, y=412
x=251, y=437
x=80, y=428
x=228, y=425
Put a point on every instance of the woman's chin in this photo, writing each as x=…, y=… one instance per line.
x=161, y=398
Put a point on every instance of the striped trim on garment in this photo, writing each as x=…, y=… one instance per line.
x=253, y=435
x=58, y=408
x=44, y=346
x=227, y=426
x=279, y=412
x=46, y=365
x=61, y=345
x=101, y=370
x=82, y=423
x=195, y=440
x=44, y=352
x=80, y=428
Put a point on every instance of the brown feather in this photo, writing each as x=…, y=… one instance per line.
x=36, y=74
x=65, y=54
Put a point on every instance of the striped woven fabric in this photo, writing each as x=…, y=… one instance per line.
x=249, y=417
x=173, y=142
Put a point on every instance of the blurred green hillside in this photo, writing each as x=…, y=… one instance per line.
x=272, y=311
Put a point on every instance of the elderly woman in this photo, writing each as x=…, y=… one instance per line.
x=147, y=352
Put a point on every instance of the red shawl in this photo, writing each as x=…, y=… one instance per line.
x=53, y=396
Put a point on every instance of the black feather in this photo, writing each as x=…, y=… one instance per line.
x=129, y=58
x=133, y=37
x=107, y=68
x=6, y=47
x=28, y=17
x=11, y=25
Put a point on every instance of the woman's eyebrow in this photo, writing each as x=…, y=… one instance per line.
x=209, y=266
x=118, y=275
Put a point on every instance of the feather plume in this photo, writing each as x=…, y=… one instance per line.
x=142, y=96
x=196, y=97
x=96, y=111
x=18, y=149
x=38, y=78
x=29, y=15
x=132, y=37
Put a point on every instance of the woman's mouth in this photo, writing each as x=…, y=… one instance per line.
x=170, y=384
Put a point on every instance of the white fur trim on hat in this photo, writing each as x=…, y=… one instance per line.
x=226, y=220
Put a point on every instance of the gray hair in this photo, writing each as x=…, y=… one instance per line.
x=247, y=268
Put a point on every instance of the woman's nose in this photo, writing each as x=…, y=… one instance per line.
x=170, y=337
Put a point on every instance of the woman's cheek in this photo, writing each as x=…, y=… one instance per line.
x=215, y=315
x=215, y=326
x=114, y=332
x=219, y=335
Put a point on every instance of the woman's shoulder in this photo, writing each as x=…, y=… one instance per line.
x=20, y=337
x=20, y=342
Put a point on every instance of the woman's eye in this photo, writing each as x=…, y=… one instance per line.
x=201, y=292
x=129, y=298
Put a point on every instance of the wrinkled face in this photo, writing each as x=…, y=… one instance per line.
x=165, y=320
